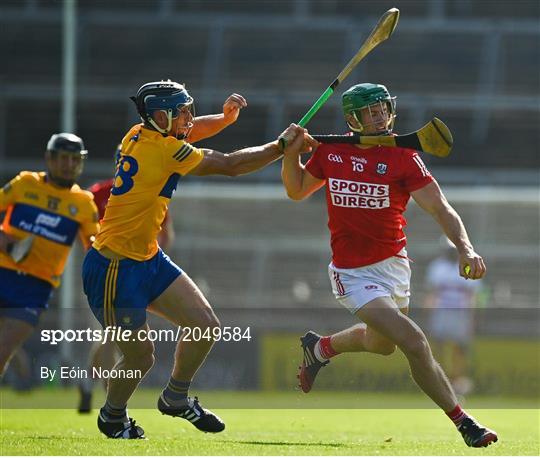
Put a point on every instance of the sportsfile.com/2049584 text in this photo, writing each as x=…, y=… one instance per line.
x=118, y=334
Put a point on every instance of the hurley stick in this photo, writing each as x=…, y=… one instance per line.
x=434, y=138
x=382, y=31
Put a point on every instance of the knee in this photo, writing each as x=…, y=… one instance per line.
x=143, y=359
x=416, y=346
x=208, y=319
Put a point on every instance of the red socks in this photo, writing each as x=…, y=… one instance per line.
x=457, y=415
x=326, y=348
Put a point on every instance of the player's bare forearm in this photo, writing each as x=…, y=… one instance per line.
x=298, y=182
x=453, y=227
x=240, y=162
x=251, y=159
x=431, y=199
x=292, y=175
x=207, y=126
x=471, y=264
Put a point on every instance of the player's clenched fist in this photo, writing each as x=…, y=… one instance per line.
x=297, y=140
x=471, y=265
x=232, y=107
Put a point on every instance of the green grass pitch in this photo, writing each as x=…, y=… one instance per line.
x=262, y=431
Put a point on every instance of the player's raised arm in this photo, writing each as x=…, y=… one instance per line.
x=431, y=199
x=210, y=125
x=253, y=158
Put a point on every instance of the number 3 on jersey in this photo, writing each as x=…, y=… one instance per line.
x=123, y=179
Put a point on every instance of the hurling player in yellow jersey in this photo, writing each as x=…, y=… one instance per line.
x=42, y=214
x=126, y=273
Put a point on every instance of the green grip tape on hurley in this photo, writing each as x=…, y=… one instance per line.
x=307, y=117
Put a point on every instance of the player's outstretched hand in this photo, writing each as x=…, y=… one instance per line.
x=232, y=107
x=471, y=265
x=297, y=140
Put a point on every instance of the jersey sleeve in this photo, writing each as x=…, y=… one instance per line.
x=416, y=174
x=8, y=193
x=314, y=165
x=181, y=157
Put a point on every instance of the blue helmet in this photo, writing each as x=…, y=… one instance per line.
x=165, y=96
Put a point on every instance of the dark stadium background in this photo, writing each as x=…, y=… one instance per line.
x=260, y=258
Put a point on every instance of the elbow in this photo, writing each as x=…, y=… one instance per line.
x=294, y=195
x=231, y=167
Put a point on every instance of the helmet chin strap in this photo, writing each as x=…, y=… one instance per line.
x=356, y=129
x=166, y=131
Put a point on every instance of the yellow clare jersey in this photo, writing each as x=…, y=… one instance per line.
x=53, y=216
x=147, y=173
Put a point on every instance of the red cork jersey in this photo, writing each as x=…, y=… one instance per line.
x=101, y=191
x=367, y=191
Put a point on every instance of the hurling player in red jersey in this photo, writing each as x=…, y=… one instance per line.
x=367, y=191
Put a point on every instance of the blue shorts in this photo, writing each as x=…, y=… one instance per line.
x=119, y=291
x=23, y=297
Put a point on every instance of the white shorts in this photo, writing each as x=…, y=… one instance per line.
x=391, y=277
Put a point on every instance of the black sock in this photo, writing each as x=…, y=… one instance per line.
x=114, y=414
x=176, y=392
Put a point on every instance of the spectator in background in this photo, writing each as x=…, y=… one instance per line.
x=451, y=301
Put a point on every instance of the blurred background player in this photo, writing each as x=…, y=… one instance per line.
x=367, y=190
x=451, y=304
x=43, y=213
x=105, y=355
x=126, y=272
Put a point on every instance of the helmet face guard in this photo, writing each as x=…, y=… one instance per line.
x=166, y=96
x=366, y=96
x=61, y=149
